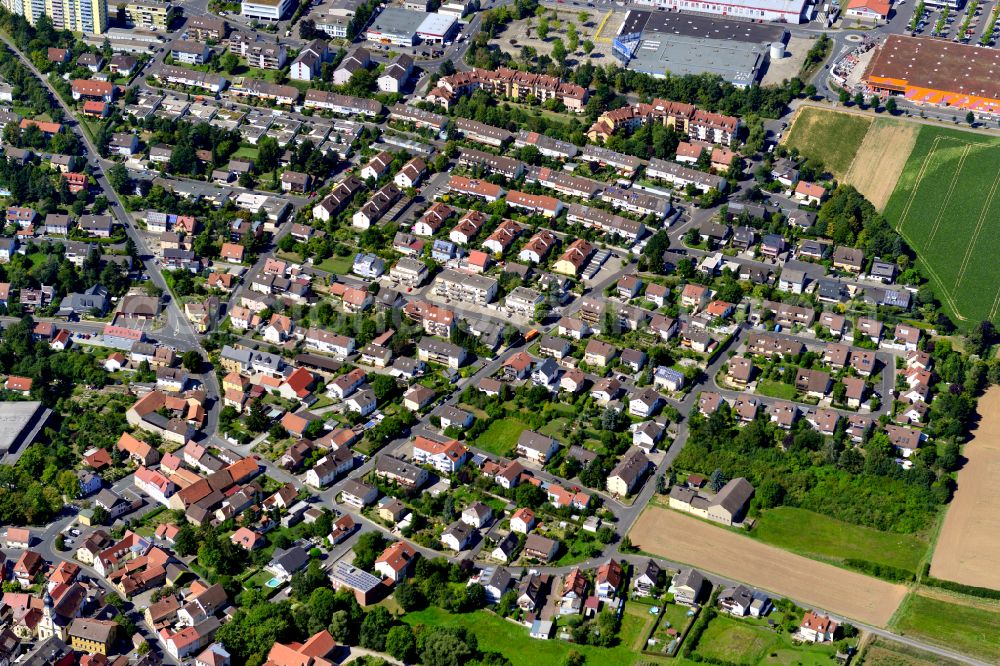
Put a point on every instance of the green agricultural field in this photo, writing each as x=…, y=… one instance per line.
x=501, y=436
x=946, y=204
x=511, y=640
x=746, y=641
x=831, y=137
x=823, y=538
x=965, y=629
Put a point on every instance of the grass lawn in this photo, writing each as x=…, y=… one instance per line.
x=830, y=137
x=323, y=401
x=945, y=205
x=337, y=265
x=732, y=641
x=555, y=427
x=675, y=616
x=501, y=436
x=776, y=389
x=247, y=151
x=965, y=629
x=750, y=641
x=824, y=538
x=498, y=635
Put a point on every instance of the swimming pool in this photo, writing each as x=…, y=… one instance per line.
x=273, y=583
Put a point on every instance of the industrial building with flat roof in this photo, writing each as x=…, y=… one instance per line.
x=20, y=423
x=404, y=27
x=788, y=11
x=932, y=71
x=659, y=43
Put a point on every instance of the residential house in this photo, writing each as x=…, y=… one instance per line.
x=687, y=587
x=630, y=470
x=395, y=561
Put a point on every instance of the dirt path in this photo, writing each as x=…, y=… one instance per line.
x=681, y=538
x=968, y=548
x=880, y=159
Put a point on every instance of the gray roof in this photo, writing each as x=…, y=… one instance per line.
x=397, y=467
x=499, y=578
x=357, y=488
x=689, y=578
x=531, y=440
x=734, y=495
x=507, y=544
x=631, y=467
x=290, y=560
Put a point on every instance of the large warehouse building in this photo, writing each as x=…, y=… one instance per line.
x=20, y=425
x=931, y=71
x=787, y=11
x=404, y=27
x=658, y=43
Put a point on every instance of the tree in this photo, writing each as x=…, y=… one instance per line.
x=119, y=178
x=474, y=599
x=859, y=100
x=307, y=30
x=100, y=515
x=890, y=105
x=529, y=495
x=304, y=583
x=970, y=118
x=574, y=658
x=191, y=361
x=382, y=386
x=268, y=152
x=770, y=493
x=981, y=337
x=448, y=647
x=255, y=628
x=367, y=549
x=558, y=50
x=408, y=596
x=374, y=628
x=229, y=62
x=256, y=420
x=543, y=29
x=572, y=37
x=186, y=541
x=718, y=480
x=588, y=46
x=401, y=643
x=340, y=626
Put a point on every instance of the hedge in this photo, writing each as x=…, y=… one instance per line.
x=884, y=571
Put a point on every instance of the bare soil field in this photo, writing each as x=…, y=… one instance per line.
x=880, y=159
x=789, y=66
x=967, y=547
x=681, y=538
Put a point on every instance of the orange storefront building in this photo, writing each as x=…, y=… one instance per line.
x=939, y=72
